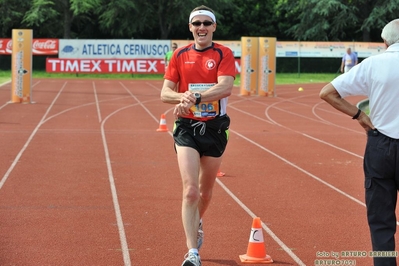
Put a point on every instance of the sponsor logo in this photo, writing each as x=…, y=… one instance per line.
x=210, y=64
x=44, y=46
x=69, y=49
x=39, y=46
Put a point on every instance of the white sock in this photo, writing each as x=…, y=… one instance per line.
x=193, y=250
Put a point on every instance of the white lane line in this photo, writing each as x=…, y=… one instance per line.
x=4, y=83
x=264, y=226
x=315, y=139
x=77, y=107
x=138, y=101
x=9, y=102
x=316, y=107
x=14, y=163
x=333, y=146
x=97, y=103
x=303, y=134
x=118, y=212
x=115, y=201
x=300, y=169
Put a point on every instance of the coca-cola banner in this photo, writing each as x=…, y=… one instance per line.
x=105, y=66
x=39, y=46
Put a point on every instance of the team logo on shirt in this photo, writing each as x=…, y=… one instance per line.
x=210, y=64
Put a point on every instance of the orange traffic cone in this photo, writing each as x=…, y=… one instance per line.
x=256, y=252
x=219, y=174
x=162, y=124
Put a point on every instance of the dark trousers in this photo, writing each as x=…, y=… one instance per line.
x=381, y=169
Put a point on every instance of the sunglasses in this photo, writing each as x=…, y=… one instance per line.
x=174, y=47
x=198, y=23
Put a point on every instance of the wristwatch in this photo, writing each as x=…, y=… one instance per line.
x=197, y=96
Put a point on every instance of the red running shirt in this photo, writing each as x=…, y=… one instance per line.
x=198, y=70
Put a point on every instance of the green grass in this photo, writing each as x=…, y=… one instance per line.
x=281, y=78
x=303, y=78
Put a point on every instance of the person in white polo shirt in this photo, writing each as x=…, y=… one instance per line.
x=376, y=77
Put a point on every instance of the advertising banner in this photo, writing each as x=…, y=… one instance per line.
x=105, y=66
x=249, y=65
x=21, y=66
x=267, y=66
x=309, y=49
x=113, y=49
x=105, y=49
x=327, y=49
x=39, y=46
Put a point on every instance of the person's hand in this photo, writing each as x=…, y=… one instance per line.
x=183, y=108
x=365, y=122
x=187, y=97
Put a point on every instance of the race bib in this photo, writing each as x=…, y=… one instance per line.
x=203, y=109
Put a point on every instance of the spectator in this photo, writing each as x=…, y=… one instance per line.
x=169, y=54
x=377, y=78
x=349, y=60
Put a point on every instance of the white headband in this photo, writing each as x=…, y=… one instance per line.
x=202, y=12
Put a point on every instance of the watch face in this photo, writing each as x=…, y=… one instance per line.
x=197, y=95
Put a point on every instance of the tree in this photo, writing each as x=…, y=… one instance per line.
x=11, y=13
x=250, y=18
x=60, y=14
x=339, y=20
x=153, y=19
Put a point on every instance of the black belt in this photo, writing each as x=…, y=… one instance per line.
x=375, y=133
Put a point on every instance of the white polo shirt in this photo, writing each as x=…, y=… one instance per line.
x=376, y=77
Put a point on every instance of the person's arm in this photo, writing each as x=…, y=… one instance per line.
x=221, y=90
x=329, y=94
x=182, y=101
x=185, y=100
x=342, y=65
x=169, y=92
x=166, y=60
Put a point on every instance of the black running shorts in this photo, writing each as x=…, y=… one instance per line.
x=209, y=138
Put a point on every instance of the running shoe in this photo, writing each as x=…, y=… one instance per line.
x=191, y=259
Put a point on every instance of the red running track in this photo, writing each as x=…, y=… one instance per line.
x=85, y=179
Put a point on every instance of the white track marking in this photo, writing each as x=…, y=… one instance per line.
x=4, y=83
x=300, y=169
x=1, y=107
x=97, y=103
x=331, y=145
x=77, y=107
x=264, y=226
x=139, y=102
x=6, y=175
x=115, y=201
x=259, y=118
x=118, y=213
x=332, y=124
x=318, y=140
x=303, y=134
